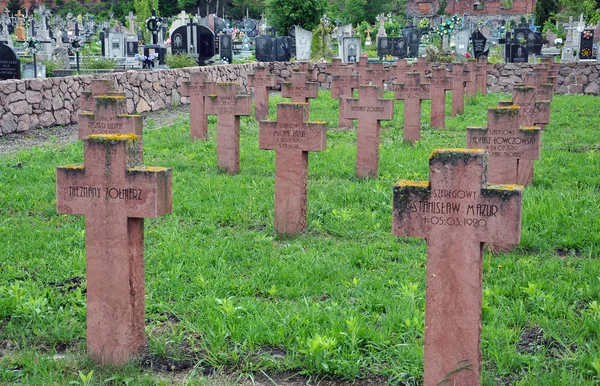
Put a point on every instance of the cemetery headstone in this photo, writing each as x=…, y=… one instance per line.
x=369, y=109
x=108, y=118
x=261, y=80
x=480, y=46
x=10, y=65
x=507, y=143
x=586, y=45
x=197, y=88
x=351, y=49
x=292, y=137
x=99, y=87
x=19, y=29
x=482, y=68
x=381, y=18
x=226, y=48
x=413, y=39
x=228, y=106
x=299, y=89
x=462, y=42
x=344, y=85
x=396, y=47
x=273, y=49
x=308, y=68
x=461, y=76
x=303, y=40
x=292, y=36
x=543, y=91
x=413, y=92
x=440, y=83
x=115, y=192
x=455, y=212
x=378, y=75
x=534, y=43
x=205, y=43
x=400, y=69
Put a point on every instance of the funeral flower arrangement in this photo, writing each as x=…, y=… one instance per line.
x=586, y=53
x=147, y=61
x=446, y=28
x=587, y=34
x=32, y=45
x=75, y=44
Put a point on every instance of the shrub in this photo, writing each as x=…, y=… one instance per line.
x=98, y=63
x=180, y=61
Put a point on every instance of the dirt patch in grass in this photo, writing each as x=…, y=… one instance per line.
x=533, y=341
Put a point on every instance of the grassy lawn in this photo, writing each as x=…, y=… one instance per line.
x=345, y=300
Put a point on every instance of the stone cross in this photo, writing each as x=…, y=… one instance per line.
x=361, y=67
x=131, y=18
x=412, y=91
x=378, y=75
x=440, y=83
x=228, y=106
x=381, y=31
x=344, y=85
x=299, y=89
x=292, y=137
x=115, y=193
x=553, y=68
x=183, y=17
x=401, y=67
x=262, y=81
x=422, y=66
x=460, y=74
x=507, y=142
x=532, y=112
x=543, y=91
x=369, y=109
x=305, y=67
x=98, y=87
x=108, y=118
x=197, y=88
x=482, y=68
x=335, y=68
x=456, y=212
x=471, y=87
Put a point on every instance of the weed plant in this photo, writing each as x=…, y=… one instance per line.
x=345, y=300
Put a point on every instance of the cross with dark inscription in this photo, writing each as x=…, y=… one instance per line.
x=440, y=83
x=369, y=109
x=98, y=87
x=412, y=92
x=108, y=118
x=507, y=142
x=228, y=106
x=197, y=88
x=482, y=68
x=544, y=89
x=401, y=67
x=531, y=113
x=262, y=81
x=292, y=137
x=299, y=89
x=345, y=83
x=461, y=76
x=471, y=86
x=456, y=212
x=115, y=193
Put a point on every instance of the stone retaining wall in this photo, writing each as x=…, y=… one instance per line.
x=31, y=103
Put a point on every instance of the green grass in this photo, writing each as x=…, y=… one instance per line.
x=344, y=300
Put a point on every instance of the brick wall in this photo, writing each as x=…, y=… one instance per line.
x=429, y=8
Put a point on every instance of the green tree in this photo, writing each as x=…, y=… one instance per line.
x=143, y=8
x=544, y=9
x=285, y=13
x=14, y=6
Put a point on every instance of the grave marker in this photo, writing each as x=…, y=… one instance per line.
x=461, y=76
x=344, y=84
x=471, y=86
x=378, y=75
x=115, y=193
x=369, y=109
x=457, y=211
x=440, y=83
x=482, y=68
x=197, y=88
x=292, y=137
x=299, y=89
x=262, y=81
x=108, y=118
x=337, y=68
x=10, y=64
x=401, y=67
x=306, y=67
x=98, y=87
x=507, y=142
x=422, y=66
x=412, y=92
x=228, y=106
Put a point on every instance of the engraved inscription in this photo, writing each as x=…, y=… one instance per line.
x=106, y=193
x=503, y=143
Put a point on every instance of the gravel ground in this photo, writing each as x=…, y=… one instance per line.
x=64, y=135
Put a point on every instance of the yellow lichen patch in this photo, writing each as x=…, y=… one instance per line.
x=509, y=188
x=318, y=122
x=445, y=150
x=87, y=114
x=415, y=184
x=505, y=110
x=148, y=169
x=477, y=128
x=111, y=97
x=114, y=137
x=73, y=167
x=530, y=128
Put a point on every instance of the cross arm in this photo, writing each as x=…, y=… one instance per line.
x=154, y=187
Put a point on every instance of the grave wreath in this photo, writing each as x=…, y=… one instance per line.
x=75, y=44
x=32, y=45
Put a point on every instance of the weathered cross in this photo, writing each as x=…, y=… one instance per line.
x=553, y=69
x=98, y=87
x=457, y=211
x=412, y=92
x=197, y=88
x=460, y=74
x=115, y=193
x=482, y=68
x=109, y=118
x=440, y=83
x=507, y=142
x=544, y=88
x=336, y=67
x=228, y=106
x=306, y=67
x=361, y=68
x=131, y=18
x=292, y=137
x=299, y=89
x=422, y=66
x=369, y=109
x=471, y=87
x=401, y=67
x=344, y=85
x=262, y=81
x=378, y=75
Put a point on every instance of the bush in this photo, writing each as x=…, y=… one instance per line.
x=180, y=61
x=51, y=65
x=98, y=63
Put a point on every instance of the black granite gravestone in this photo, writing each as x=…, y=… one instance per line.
x=391, y=46
x=265, y=51
x=519, y=53
x=10, y=65
x=179, y=41
x=283, y=48
x=132, y=48
x=292, y=35
x=206, y=44
x=412, y=35
x=534, y=43
x=587, y=44
x=226, y=48
x=479, y=44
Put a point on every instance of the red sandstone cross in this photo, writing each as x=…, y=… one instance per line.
x=440, y=82
x=108, y=118
x=197, y=88
x=337, y=68
x=482, y=68
x=115, y=193
x=305, y=67
x=421, y=65
x=460, y=74
x=98, y=87
x=412, y=92
x=401, y=67
x=456, y=212
x=544, y=89
x=262, y=81
x=292, y=137
x=299, y=89
x=369, y=109
x=228, y=106
x=507, y=143
x=471, y=89
x=344, y=83
x=361, y=68
x=378, y=75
